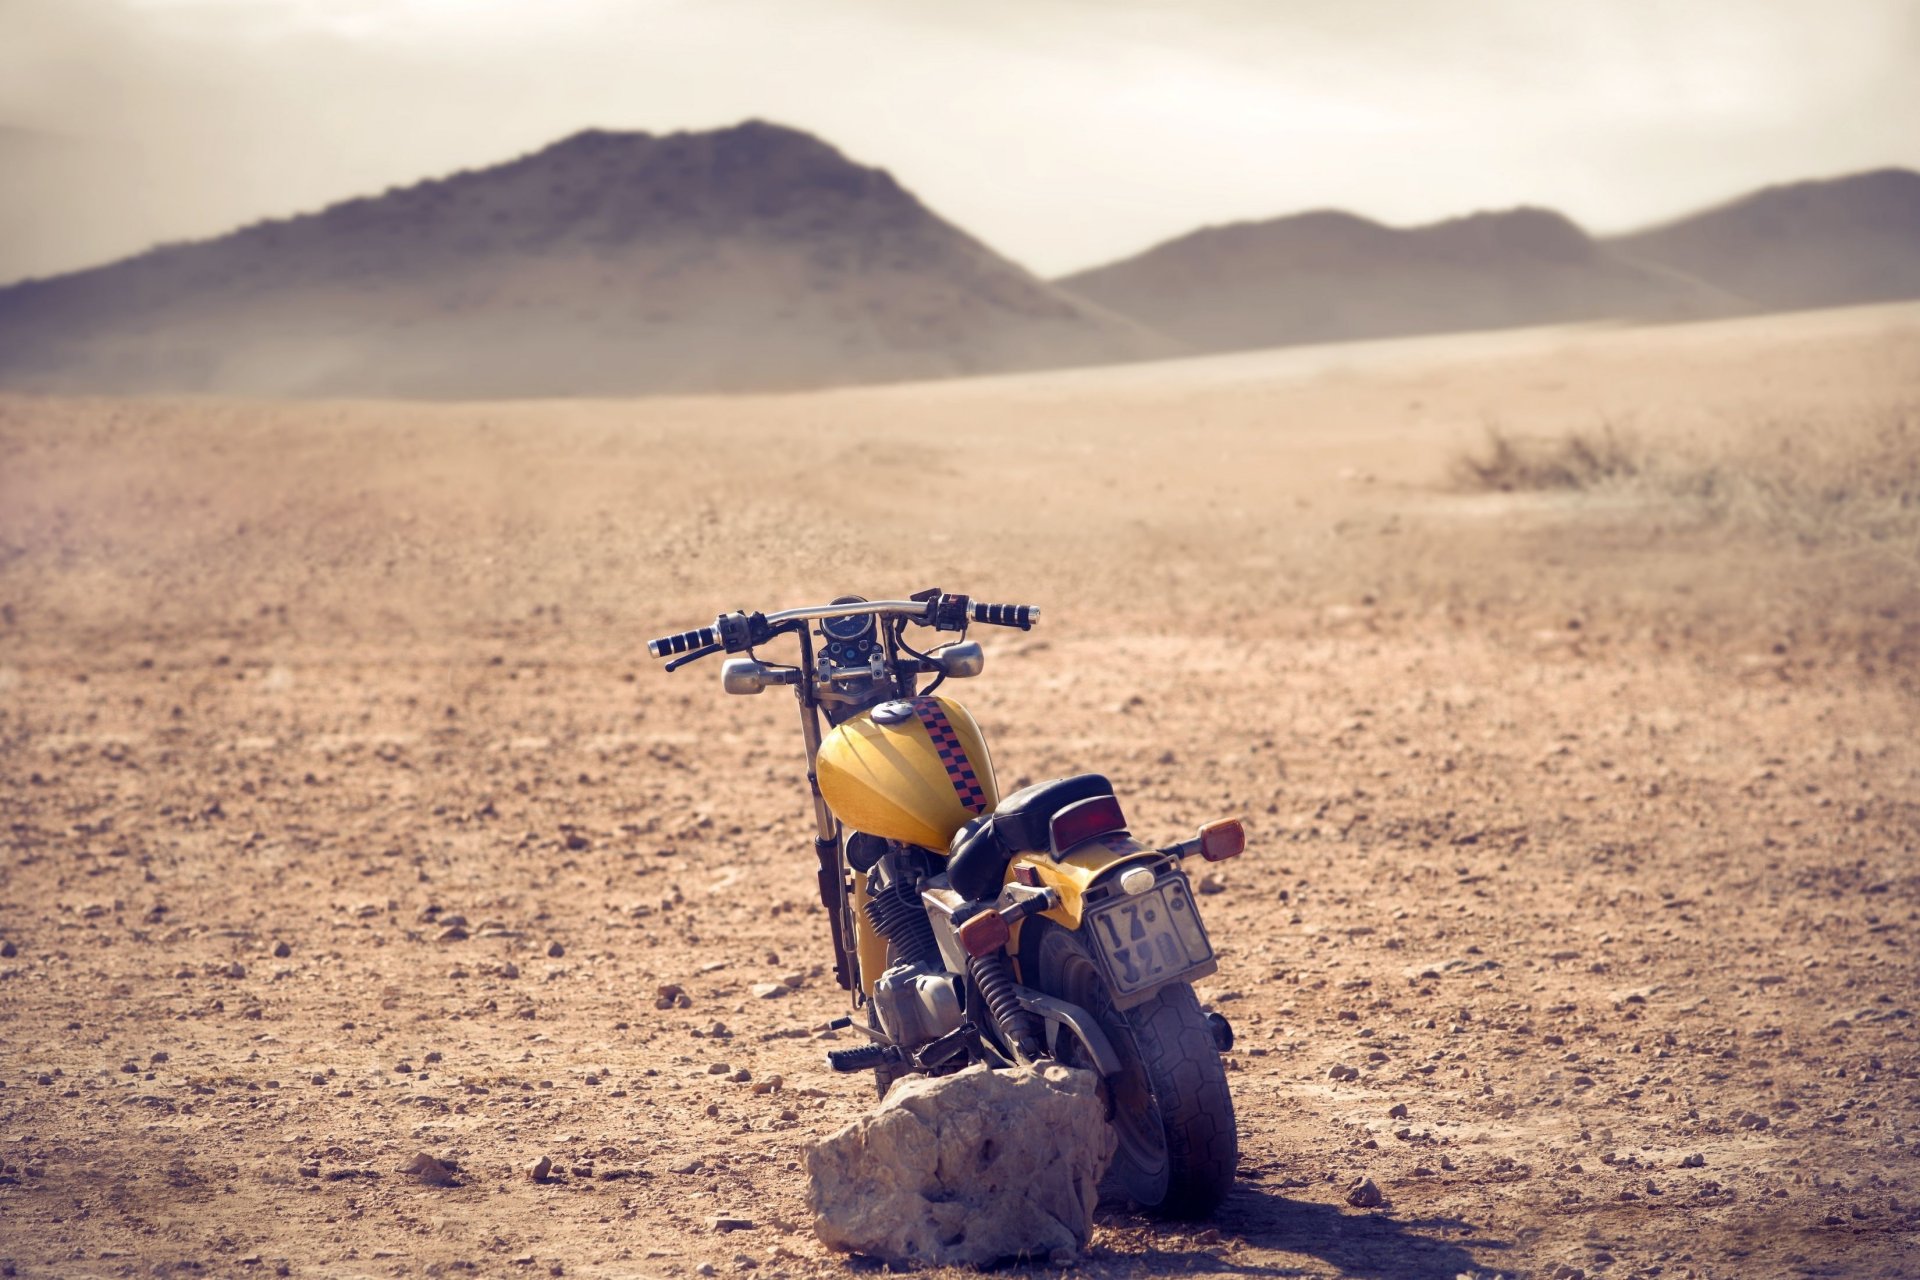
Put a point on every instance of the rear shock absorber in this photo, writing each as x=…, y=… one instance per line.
x=993, y=974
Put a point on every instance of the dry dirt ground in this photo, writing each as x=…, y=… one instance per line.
x=345, y=819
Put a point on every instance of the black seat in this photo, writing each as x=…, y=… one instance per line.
x=980, y=851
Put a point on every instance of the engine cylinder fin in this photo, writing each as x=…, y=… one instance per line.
x=897, y=914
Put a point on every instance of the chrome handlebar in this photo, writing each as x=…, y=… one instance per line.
x=736, y=632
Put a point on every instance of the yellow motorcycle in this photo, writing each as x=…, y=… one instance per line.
x=974, y=927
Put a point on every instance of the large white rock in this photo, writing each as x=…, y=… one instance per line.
x=966, y=1169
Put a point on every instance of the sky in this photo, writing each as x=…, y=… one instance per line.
x=1064, y=133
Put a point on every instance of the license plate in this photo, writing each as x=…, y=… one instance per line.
x=1152, y=939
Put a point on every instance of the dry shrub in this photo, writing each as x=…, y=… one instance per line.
x=1856, y=487
x=1524, y=464
x=1838, y=485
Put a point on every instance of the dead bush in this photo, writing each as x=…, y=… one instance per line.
x=1524, y=464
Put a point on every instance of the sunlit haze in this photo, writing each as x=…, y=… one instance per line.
x=1063, y=132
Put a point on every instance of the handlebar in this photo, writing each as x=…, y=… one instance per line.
x=681, y=642
x=1022, y=616
x=738, y=632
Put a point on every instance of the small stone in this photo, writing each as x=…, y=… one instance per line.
x=1211, y=883
x=1397, y=1112
x=158, y=1057
x=691, y=1165
x=1694, y=1161
x=8, y=950
x=1363, y=1194
x=793, y=980
x=453, y=933
x=742, y=1076
x=431, y=1171
x=1341, y=1071
x=770, y=990
x=540, y=1170
x=769, y=1085
x=509, y=970
x=555, y=951
x=729, y=1222
x=281, y=951
x=719, y=1069
x=236, y=970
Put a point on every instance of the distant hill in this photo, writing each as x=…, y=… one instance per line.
x=1809, y=244
x=1329, y=276
x=748, y=258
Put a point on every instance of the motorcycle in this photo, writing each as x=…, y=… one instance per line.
x=969, y=926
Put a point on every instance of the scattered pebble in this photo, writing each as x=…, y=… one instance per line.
x=1363, y=1194
x=432, y=1171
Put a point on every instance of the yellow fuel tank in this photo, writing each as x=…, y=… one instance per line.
x=915, y=770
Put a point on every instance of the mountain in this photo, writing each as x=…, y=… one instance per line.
x=749, y=258
x=1329, y=276
x=1809, y=244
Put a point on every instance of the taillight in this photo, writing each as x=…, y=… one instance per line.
x=1222, y=840
x=1082, y=821
x=984, y=933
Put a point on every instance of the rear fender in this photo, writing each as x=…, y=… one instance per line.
x=1074, y=874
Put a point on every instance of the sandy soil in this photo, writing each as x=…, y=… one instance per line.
x=346, y=820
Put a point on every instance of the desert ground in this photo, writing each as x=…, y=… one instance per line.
x=1566, y=680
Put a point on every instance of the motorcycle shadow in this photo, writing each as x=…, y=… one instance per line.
x=1364, y=1245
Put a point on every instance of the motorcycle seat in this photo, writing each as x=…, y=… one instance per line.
x=978, y=856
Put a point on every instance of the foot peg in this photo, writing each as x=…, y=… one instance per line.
x=863, y=1057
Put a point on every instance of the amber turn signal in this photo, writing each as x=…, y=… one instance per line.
x=1222, y=840
x=984, y=934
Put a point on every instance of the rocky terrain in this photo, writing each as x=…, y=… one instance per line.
x=370, y=904
x=609, y=263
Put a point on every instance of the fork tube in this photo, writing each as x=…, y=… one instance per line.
x=826, y=844
x=827, y=827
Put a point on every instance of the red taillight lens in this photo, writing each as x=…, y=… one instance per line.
x=1078, y=823
x=1222, y=840
x=984, y=934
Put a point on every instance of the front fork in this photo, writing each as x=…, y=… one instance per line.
x=826, y=842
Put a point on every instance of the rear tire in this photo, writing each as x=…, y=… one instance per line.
x=1171, y=1110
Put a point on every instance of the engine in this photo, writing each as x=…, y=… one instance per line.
x=915, y=999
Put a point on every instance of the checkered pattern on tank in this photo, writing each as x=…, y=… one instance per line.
x=973, y=797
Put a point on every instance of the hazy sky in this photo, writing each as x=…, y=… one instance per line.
x=1062, y=132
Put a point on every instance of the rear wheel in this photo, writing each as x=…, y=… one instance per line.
x=1169, y=1105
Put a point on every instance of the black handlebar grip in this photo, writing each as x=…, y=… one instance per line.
x=667, y=646
x=1022, y=616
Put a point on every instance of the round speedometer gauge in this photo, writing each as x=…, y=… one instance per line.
x=851, y=628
